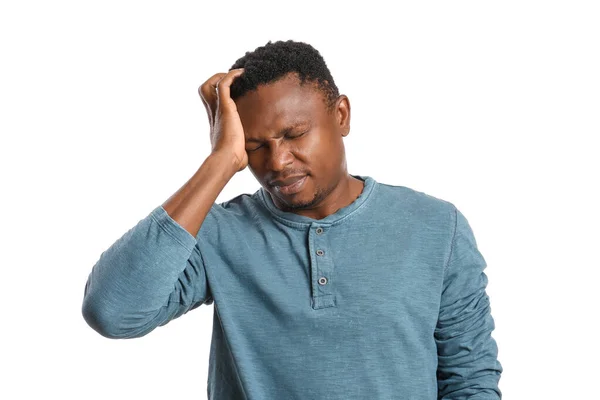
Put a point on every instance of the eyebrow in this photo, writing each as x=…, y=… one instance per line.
x=283, y=132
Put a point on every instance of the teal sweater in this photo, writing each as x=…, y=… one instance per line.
x=384, y=299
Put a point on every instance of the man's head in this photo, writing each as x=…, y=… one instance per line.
x=294, y=121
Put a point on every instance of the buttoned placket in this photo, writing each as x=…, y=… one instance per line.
x=321, y=268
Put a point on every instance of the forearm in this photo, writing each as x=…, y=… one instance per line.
x=192, y=202
x=468, y=355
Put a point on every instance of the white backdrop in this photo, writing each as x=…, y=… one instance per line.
x=493, y=106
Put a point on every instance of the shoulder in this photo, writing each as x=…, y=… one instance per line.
x=415, y=202
x=415, y=210
x=233, y=214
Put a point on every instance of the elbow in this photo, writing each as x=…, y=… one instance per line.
x=100, y=320
x=109, y=323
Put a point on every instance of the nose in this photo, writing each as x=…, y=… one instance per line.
x=279, y=157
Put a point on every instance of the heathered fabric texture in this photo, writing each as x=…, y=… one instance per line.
x=401, y=314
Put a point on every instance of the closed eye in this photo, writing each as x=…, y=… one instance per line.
x=296, y=136
x=287, y=136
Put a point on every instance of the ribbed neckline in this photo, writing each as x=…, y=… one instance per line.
x=294, y=219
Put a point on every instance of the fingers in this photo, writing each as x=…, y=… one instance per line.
x=208, y=94
x=223, y=85
x=209, y=91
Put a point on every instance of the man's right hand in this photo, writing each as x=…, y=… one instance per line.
x=226, y=130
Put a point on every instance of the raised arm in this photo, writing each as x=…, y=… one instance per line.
x=154, y=272
x=467, y=354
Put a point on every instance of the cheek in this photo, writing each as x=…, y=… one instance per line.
x=256, y=163
x=317, y=143
x=326, y=150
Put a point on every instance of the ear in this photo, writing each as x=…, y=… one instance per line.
x=342, y=114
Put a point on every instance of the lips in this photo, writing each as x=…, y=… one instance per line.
x=293, y=188
x=288, y=181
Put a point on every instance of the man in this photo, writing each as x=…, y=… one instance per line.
x=325, y=285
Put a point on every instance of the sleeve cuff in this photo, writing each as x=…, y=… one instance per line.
x=172, y=227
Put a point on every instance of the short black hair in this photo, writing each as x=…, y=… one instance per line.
x=273, y=61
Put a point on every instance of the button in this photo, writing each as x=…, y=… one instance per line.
x=322, y=280
x=319, y=231
x=320, y=252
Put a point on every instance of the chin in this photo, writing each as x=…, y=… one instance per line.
x=300, y=201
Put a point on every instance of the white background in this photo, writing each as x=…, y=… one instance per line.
x=493, y=106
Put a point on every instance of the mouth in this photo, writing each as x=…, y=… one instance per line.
x=291, y=188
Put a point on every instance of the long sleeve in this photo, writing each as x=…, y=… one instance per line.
x=468, y=367
x=149, y=276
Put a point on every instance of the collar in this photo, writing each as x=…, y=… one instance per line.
x=301, y=221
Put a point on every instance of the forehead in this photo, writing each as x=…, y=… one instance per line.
x=280, y=104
